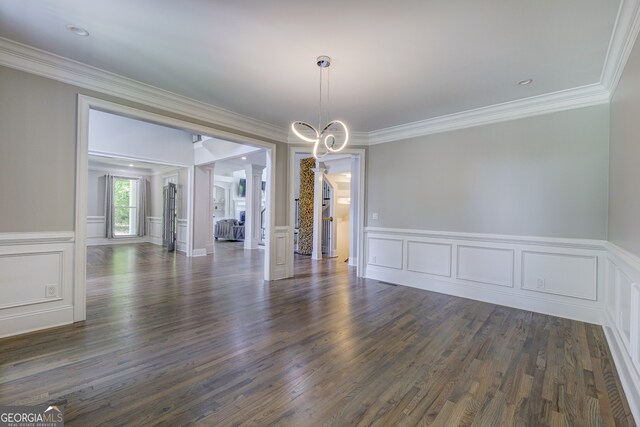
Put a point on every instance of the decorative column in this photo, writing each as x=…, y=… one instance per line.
x=252, y=206
x=317, y=211
x=305, y=206
x=354, y=213
x=203, y=211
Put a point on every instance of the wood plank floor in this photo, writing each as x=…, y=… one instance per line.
x=177, y=341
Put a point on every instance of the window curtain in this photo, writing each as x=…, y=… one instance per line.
x=108, y=205
x=142, y=206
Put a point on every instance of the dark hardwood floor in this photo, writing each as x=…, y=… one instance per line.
x=175, y=341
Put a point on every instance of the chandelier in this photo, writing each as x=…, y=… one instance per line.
x=331, y=133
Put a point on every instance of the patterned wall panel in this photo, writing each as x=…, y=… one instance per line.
x=305, y=233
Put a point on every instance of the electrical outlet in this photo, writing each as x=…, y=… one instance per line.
x=373, y=260
x=50, y=291
x=374, y=215
x=541, y=283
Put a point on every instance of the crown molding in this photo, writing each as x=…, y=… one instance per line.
x=35, y=61
x=542, y=104
x=625, y=33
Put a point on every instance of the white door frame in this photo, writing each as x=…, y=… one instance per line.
x=360, y=153
x=87, y=103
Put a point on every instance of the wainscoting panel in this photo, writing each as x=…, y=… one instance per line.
x=282, y=248
x=623, y=320
x=493, y=266
x=154, y=229
x=623, y=307
x=182, y=229
x=30, y=278
x=96, y=227
x=560, y=274
x=385, y=252
x=429, y=258
x=36, y=281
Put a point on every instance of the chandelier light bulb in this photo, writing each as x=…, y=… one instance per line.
x=328, y=134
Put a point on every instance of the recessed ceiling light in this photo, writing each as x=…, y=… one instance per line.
x=243, y=158
x=78, y=31
x=525, y=82
x=131, y=165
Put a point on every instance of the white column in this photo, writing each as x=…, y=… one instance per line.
x=203, y=212
x=318, y=179
x=252, y=207
x=354, y=211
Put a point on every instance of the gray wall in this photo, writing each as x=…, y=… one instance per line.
x=37, y=151
x=538, y=176
x=624, y=167
x=95, y=193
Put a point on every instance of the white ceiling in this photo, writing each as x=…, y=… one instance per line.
x=231, y=165
x=123, y=165
x=393, y=62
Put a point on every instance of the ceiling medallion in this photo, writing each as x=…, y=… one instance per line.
x=331, y=133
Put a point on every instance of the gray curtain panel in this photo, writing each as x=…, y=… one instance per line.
x=108, y=205
x=143, y=190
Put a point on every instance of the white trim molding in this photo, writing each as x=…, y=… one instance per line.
x=622, y=327
x=36, y=291
x=282, y=247
x=46, y=64
x=560, y=277
x=35, y=61
x=625, y=33
x=584, y=96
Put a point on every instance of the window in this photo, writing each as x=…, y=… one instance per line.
x=125, y=206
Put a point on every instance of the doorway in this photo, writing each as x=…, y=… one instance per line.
x=85, y=105
x=344, y=173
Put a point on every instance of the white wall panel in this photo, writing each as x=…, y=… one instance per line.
x=623, y=297
x=282, y=246
x=28, y=263
x=182, y=228
x=23, y=278
x=560, y=274
x=493, y=266
x=96, y=226
x=429, y=258
x=385, y=252
x=610, y=288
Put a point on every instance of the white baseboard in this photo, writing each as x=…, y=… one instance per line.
x=99, y=241
x=626, y=371
x=353, y=261
x=480, y=292
x=156, y=240
x=199, y=252
x=35, y=321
